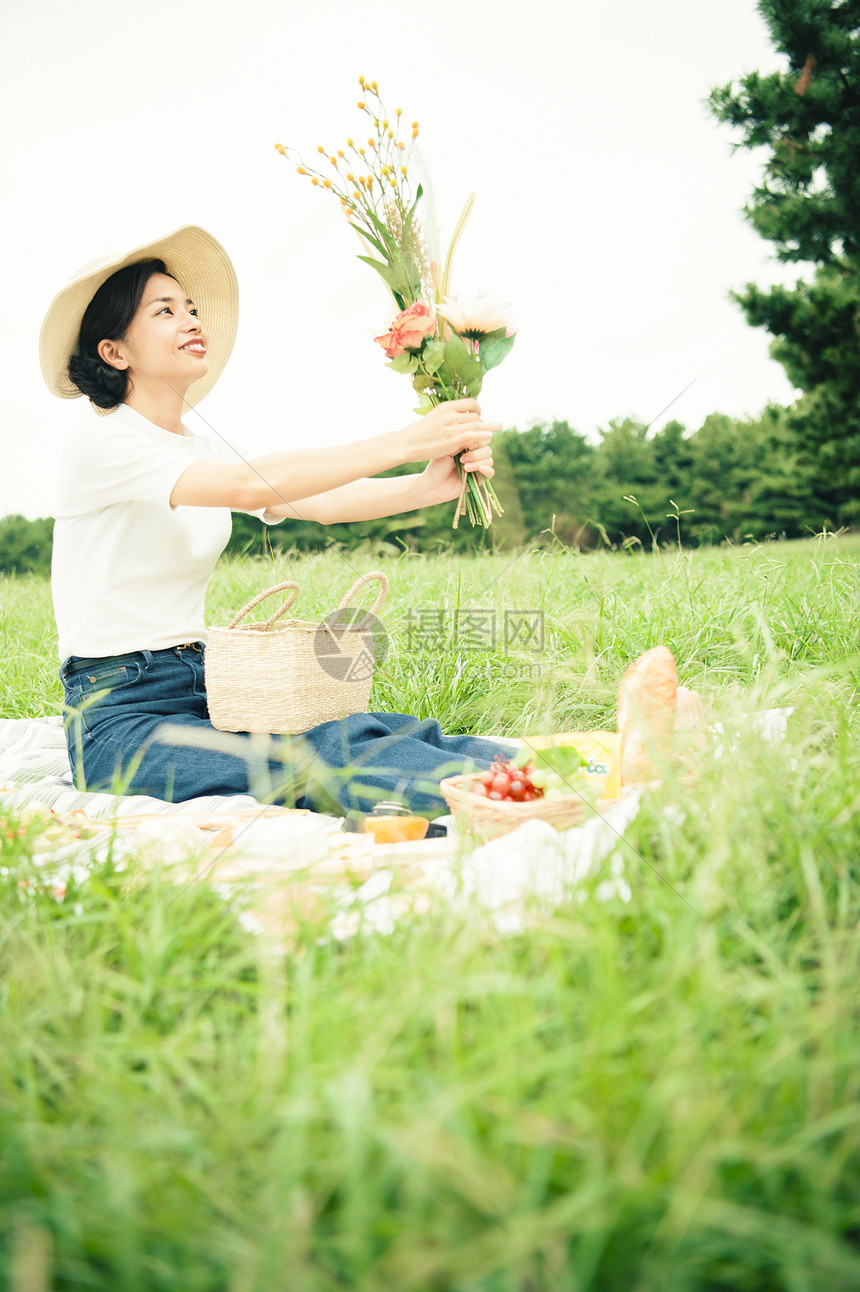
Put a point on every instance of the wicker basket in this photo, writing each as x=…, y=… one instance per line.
x=284, y=678
x=490, y=818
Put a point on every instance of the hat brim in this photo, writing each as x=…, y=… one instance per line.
x=195, y=259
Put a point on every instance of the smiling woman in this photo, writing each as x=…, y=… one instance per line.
x=143, y=514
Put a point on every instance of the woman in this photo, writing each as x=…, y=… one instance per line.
x=143, y=514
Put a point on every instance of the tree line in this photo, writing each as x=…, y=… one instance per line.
x=731, y=480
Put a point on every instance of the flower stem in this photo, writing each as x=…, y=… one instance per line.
x=477, y=498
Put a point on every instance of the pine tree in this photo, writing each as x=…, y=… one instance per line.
x=808, y=205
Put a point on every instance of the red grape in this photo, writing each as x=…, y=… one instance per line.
x=504, y=781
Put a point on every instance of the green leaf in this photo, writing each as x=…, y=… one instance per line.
x=425, y=405
x=459, y=366
x=494, y=348
x=386, y=273
x=434, y=357
x=407, y=223
x=374, y=242
x=566, y=760
x=473, y=389
x=404, y=362
x=455, y=238
x=422, y=381
x=382, y=229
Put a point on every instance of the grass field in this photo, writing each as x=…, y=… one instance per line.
x=658, y=1094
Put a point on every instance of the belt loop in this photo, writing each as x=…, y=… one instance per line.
x=147, y=660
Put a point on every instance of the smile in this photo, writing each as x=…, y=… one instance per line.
x=194, y=347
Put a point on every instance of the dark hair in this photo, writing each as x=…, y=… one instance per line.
x=108, y=316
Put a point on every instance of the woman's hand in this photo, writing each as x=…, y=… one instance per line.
x=440, y=479
x=448, y=430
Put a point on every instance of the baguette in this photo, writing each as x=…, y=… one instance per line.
x=647, y=699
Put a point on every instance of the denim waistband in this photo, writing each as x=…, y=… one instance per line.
x=75, y=664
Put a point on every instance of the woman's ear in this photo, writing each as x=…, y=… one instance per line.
x=110, y=354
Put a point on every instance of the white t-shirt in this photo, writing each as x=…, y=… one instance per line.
x=129, y=572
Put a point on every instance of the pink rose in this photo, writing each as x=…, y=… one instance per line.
x=408, y=330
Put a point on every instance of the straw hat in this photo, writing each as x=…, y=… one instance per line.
x=195, y=259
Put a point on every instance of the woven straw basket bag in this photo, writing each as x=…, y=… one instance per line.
x=284, y=678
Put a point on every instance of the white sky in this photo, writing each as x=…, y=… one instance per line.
x=608, y=203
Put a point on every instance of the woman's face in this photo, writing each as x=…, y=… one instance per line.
x=165, y=340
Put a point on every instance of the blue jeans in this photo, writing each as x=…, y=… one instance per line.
x=139, y=724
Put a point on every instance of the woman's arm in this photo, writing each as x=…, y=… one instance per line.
x=282, y=478
x=373, y=499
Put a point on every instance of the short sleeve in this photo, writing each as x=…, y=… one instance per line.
x=217, y=449
x=106, y=465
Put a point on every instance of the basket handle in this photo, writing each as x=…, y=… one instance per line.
x=278, y=587
x=382, y=579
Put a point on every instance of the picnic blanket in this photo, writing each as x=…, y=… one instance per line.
x=534, y=864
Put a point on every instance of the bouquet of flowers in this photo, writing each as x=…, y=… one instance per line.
x=444, y=343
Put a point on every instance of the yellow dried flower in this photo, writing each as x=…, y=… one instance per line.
x=414, y=134
x=314, y=180
x=357, y=195
x=393, y=182
x=373, y=85
x=340, y=152
x=320, y=148
x=350, y=177
x=361, y=81
x=371, y=144
x=402, y=170
x=361, y=152
x=385, y=125
x=326, y=183
x=401, y=145
x=349, y=143
x=400, y=112
x=414, y=125
x=391, y=134
x=301, y=170
x=360, y=105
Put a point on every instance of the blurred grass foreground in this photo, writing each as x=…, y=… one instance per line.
x=661, y=1093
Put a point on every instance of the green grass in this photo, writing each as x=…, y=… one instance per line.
x=645, y=1095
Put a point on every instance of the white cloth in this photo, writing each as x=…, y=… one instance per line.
x=129, y=571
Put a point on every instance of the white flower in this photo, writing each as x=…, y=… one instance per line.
x=476, y=316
